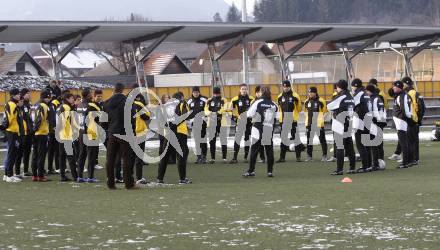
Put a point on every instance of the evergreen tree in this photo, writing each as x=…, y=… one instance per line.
x=233, y=15
x=217, y=18
x=420, y=12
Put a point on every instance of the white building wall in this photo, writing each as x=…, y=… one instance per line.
x=28, y=67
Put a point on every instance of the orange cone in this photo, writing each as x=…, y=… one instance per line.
x=347, y=180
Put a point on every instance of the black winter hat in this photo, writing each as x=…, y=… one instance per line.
x=407, y=80
x=196, y=89
x=24, y=91
x=287, y=83
x=343, y=84
x=391, y=92
x=373, y=82
x=45, y=94
x=398, y=84
x=371, y=88
x=356, y=83
x=14, y=91
x=313, y=90
x=216, y=91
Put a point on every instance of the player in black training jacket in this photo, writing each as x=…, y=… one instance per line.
x=197, y=104
x=263, y=111
x=342, y=106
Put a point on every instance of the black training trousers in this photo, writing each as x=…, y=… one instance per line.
x=364, y=151
x=115, y=145
x=181, y=159
x=255, y=149
x=413, y=136
x=139, y=162
x=63, y=157
x=82, y=154
x=53, y=151
x=247, y=135
x=285, y=148
x=404, y=145
x=13, y=147
x=24, y=153
x=322, y=140
x=203, y=151
x=213, y=140
x=39, y=155
x=92, y=157
x=349, y=150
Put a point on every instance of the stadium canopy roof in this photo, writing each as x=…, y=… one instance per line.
x=60, y=31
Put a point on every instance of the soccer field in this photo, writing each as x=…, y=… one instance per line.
x=303, y=207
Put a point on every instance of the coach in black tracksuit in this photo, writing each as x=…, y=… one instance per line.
x=361, y=109
x=240, y=104
x=114, y=107
x=402, y=116
x=263, y=111
x=342, y=107
x=197, y=104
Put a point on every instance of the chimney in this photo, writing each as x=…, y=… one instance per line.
x=2, y=50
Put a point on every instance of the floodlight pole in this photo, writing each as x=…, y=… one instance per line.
x=244, y=19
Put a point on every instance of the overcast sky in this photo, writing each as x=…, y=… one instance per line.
x=250, y=5
x=159, y=10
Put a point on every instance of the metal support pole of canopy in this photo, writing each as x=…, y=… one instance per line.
x=215, y=54
x=409, y=54
x=284, y=56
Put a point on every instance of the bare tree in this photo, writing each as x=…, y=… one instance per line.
x=120, y=56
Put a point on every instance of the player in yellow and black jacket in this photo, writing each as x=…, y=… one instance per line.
x=53, y=144
x=290, y=102
x=66, y=122
x=24, y=151
x=197, y=104
x=240, y=105
x=41, y=132
x=215, y=110
x=91, y=129
x=81, y=110
x=315, y=109
x=11, y=125
x=418, y=111
x=175, y=109
x=140, y=115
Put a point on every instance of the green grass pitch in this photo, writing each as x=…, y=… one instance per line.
x=303, y=207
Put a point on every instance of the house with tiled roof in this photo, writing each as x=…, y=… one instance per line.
x=19, y=63
x=232, y=61
x=78, y=62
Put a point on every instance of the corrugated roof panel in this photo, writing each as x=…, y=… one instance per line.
x=38, y=31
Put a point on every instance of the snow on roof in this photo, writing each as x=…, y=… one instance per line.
x=84, y=59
